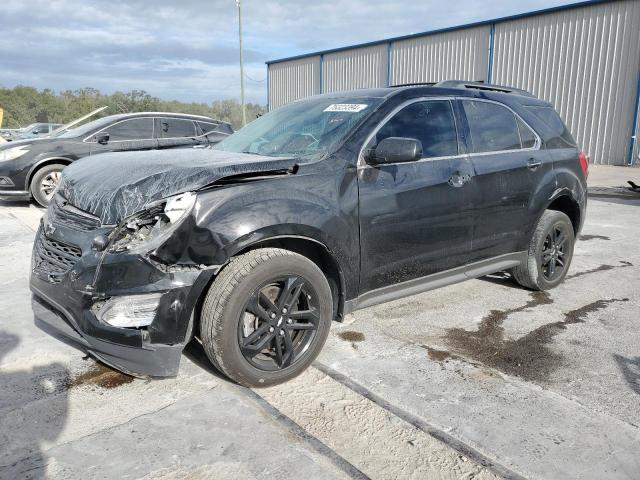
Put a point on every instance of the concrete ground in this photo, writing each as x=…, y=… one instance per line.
x=476, y=380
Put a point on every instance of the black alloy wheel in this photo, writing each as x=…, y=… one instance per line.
x=279, y=323
x=549, y=254
x=266, y=316
x=553, y=258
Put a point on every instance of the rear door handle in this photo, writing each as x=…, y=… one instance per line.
x=457, y=180
x=532, y=164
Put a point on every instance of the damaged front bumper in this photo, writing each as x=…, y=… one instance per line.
x=71, y=281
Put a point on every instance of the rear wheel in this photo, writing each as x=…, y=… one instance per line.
x=550, y=253
x=266, y=317
x=44, y=183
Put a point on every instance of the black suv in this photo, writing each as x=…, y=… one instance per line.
x=31, y=168
x=324, y=206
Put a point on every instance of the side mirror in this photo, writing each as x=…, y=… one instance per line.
x=215, y=137
x=396, y=150
x=102, y=138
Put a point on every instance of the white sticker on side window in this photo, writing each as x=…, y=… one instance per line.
x=346, y=107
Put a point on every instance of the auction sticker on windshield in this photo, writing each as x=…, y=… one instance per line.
x=346, y=107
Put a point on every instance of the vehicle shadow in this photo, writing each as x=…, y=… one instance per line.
x=33, y=412
x=195, y=352
x=503, y=278
x=4, y=202
x=630, y=368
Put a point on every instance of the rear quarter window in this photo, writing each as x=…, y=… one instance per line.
x=558, y=136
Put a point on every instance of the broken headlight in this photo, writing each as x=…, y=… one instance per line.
x=131, y=311
x=147, y=230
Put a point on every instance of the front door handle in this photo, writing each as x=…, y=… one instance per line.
x=532, y=164
x=457, y=180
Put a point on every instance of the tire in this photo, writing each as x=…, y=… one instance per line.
x=536, y=272
x=256, y=282
x=48, y=175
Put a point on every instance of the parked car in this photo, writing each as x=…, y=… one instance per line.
x=321, y=207
x=34, y=130
x=31, y=168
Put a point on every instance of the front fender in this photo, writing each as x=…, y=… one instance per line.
x=229, y=219
x=41, y=160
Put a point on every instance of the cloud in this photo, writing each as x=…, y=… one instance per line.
x=188, y=50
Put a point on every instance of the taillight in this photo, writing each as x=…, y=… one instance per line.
x=584, y=164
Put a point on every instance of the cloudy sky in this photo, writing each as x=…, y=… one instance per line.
x=187, y=50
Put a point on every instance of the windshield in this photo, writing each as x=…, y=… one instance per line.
x=302, y=128
x=85, y=129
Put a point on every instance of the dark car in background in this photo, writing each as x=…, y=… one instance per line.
x=318, y=208
x=31, y=168
x=34, y=130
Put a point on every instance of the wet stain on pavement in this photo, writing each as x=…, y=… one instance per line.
x=101, y=376
x=593, y=237
x=438, y=355
x=351, y=336
x=601, y=268
x=528, y=357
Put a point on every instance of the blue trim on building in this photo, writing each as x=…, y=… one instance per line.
x=492, y=37
x=444, y=30
x=634, y=129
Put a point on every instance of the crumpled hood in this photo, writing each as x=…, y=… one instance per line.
x=113, y=186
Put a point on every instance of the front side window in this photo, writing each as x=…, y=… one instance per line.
x=432, y=122
x=208, y=127
x=308, y=127
x=492, y=127
x=134, y=129
x=174, y=128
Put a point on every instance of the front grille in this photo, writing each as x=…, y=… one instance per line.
x=70, y=216
x=53, y=258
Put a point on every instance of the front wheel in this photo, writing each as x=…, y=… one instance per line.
x=550, y=253
x=266, y=317
x=44, y=183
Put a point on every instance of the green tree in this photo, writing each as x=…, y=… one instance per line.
x=23, y=105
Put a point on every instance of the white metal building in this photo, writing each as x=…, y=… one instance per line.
x=583, y=57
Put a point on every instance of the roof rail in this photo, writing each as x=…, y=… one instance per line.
x=482, y=86
x=414, y=84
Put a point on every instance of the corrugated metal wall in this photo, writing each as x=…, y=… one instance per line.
x=585, y=61
x=289, y=81
x=459, y=54
x=358, y=68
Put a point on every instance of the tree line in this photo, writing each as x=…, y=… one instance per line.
x=23, y=105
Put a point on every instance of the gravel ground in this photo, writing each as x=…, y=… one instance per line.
x=477, y=380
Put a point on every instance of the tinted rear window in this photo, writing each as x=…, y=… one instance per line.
x=493, y=128
x=174, y=128
x=557, y=133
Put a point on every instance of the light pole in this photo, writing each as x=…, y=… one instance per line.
x=244, y=111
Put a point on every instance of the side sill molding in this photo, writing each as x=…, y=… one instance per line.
x=437, y=280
